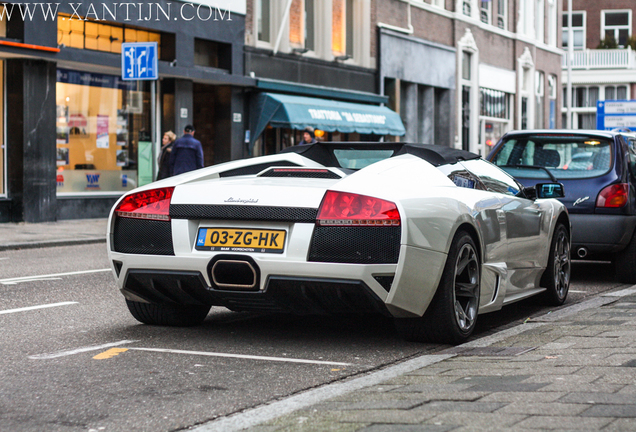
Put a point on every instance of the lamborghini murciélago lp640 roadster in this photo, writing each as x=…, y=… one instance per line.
x=428, y=235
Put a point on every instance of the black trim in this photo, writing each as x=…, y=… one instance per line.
x=283, y=294
x=143, y=237
x=243, y=212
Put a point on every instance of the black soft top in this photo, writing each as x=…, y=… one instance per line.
x=435, y=155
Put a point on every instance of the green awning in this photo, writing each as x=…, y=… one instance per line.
x=297, y=112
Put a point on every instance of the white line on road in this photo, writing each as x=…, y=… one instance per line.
x=242, y=356
x=13, y=281
x=79, y=350
x=1, y=259
x=29, y=308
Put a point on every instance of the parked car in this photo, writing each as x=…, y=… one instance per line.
x=429, y=235
x=597, y=170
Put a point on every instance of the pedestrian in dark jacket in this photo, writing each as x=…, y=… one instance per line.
x=308, y=136
x=187, y=153
x=164, y=155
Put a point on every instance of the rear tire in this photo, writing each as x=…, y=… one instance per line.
x=556, y=277
x=167, y=315
x=625, y=263
x=452, y=315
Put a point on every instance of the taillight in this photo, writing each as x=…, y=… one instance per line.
x=348, y=209
x=150, y=204
x=613, y=196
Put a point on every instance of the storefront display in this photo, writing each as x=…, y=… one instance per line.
x=2, y=145
x=103, y=133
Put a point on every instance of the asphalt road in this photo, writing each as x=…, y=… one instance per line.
x=83, y=363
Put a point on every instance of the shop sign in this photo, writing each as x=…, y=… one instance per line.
x=92, y=181
x=139, y=61
x=70, y=76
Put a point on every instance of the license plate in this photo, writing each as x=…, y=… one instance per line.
x=241, y=240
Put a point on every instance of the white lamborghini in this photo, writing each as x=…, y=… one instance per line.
x=429, y=235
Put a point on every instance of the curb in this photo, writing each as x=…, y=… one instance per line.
x=52, y=243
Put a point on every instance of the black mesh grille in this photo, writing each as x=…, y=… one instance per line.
x=139, y=236
x=357, y=245
x=241, y=212
x=301, y=173
x=254, y=169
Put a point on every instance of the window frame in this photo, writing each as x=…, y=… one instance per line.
x=604, y=28
x=502, y=15
x=583, y=29
x=257, y=11
x=487, y=11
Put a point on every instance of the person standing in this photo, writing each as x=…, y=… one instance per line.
x=187, y=153
x=308, y=136
x=164, y=155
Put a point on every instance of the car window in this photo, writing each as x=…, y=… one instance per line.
x=358, y=159
x=492, y=177
x=565, y=157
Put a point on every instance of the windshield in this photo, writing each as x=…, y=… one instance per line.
x=358, y=159
x=565, y=157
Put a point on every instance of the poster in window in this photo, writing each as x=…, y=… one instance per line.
x=102, y=131
x=62, y=156
x=122, y=157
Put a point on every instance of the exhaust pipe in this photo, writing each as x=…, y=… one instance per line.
x=234, y=274
x=581, y=252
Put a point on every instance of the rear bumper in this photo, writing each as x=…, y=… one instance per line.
x=302, y=296
x=601, y=233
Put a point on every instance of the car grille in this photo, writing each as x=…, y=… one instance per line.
x=355, y=245
x=140, y=236
x=243, y=212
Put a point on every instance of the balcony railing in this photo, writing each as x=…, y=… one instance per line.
x=602, y=59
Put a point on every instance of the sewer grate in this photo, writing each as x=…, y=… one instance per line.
x=489, y=351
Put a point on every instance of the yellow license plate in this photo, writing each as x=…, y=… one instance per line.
x=241, y=240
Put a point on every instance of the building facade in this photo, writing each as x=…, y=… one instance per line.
x=604, y=58
x=75, y=135
x=463, y=72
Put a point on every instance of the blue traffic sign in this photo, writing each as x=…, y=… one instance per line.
x=616, y=114
x=139, y=61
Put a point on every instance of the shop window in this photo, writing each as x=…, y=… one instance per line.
x=494, y=103
x=616, y=25
x=99, y=36
x=502, y=10
x=212, y=54
x=2, y=145
x=578, y=30
x=3, y=23
x=103, y=133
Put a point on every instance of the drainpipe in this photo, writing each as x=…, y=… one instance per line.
x=282, y=26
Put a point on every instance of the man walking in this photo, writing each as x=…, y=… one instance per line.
x=187, y=153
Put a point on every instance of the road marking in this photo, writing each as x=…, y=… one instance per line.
x=24, y=309
x=13, y=281
x=110, y=353
x=578, y=292
x=78, y=350
x=2, y=259
x=243, y=356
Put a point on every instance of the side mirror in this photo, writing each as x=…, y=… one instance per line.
x=550, y=190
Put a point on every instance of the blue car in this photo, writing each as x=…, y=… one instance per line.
x=598, y=171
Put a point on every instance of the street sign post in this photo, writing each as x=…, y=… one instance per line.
x=139, y=61
x=616, y=114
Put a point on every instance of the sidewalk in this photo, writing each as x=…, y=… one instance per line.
x=61, y=233
x=574, y=368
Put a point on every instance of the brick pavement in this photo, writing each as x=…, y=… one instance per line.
x=573, y=369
